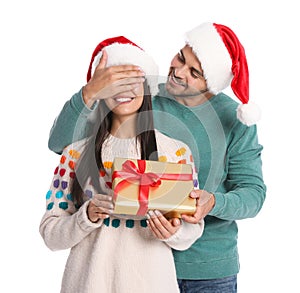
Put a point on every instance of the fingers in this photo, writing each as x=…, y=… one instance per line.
x=118, y=71
x=99, y=198
x=99, y=213
x=204, y=204
x=205, y=198
x=129, y=70
x=195, y=193
x=95, y=213
x=100, y=207
x=107, y=82
x=160, y=226
x=202, y=196
x=103, y=60
x=133, y=81
x=103, y=201
x=194, y=219
x=120, y=86
x=175, y=222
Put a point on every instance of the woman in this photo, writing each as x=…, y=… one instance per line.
x=112, y=253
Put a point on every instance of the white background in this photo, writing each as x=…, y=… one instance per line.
x=45, y=52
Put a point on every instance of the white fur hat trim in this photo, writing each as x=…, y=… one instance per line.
x=126, y=54
x=213, y=55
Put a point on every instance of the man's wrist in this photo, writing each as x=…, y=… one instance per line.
x=87, y=96
x=212, y=200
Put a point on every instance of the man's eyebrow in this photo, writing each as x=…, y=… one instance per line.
x=192, y=68
x=182, y=55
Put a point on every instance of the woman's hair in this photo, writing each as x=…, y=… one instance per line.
x=90, y=162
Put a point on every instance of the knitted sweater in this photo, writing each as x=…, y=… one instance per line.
x=118, y=254
x=228, y=160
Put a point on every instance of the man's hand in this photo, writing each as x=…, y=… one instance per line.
x=205, y=201
x=108, y=82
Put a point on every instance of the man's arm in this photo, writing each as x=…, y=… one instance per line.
x=245, y=186
x=72, y=124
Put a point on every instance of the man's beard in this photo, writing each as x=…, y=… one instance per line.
x=183, y=90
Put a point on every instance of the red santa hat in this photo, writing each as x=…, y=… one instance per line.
x=224, y=62
x=121, y=51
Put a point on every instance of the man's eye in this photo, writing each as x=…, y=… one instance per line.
x=180, y=58
x=196, y=74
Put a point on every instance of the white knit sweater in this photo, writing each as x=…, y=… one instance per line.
x=115, y=255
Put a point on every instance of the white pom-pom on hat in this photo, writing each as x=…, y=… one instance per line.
x=224, y=62
x=248, y=113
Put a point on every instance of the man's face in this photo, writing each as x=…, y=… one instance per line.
x=185, y=78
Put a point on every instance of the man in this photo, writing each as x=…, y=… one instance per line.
x=191, y=107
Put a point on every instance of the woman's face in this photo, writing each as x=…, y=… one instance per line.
x=126, y=104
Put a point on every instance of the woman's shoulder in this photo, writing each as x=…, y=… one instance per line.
x=75, y=149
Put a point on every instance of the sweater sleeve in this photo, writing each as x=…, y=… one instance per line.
x=186, y=235
x=245, y=189
x=63, y=225
x=72, y=124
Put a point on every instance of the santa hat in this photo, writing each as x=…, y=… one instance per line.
x=121, y=51
x=223, y=61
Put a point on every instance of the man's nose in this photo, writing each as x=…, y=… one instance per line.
x=181, y=71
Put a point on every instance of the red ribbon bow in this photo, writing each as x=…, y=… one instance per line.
x=132, y=173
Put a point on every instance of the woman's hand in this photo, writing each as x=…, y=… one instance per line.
x=100, y=207
x=160, y=226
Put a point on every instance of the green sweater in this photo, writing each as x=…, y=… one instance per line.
x=228, y=159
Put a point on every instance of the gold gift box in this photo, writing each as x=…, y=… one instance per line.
x=141, y=185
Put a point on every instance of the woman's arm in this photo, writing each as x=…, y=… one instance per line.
x=63, y=225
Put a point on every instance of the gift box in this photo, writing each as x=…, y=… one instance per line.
x=142, y=185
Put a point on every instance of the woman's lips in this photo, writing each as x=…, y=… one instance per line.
x=123, y=99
